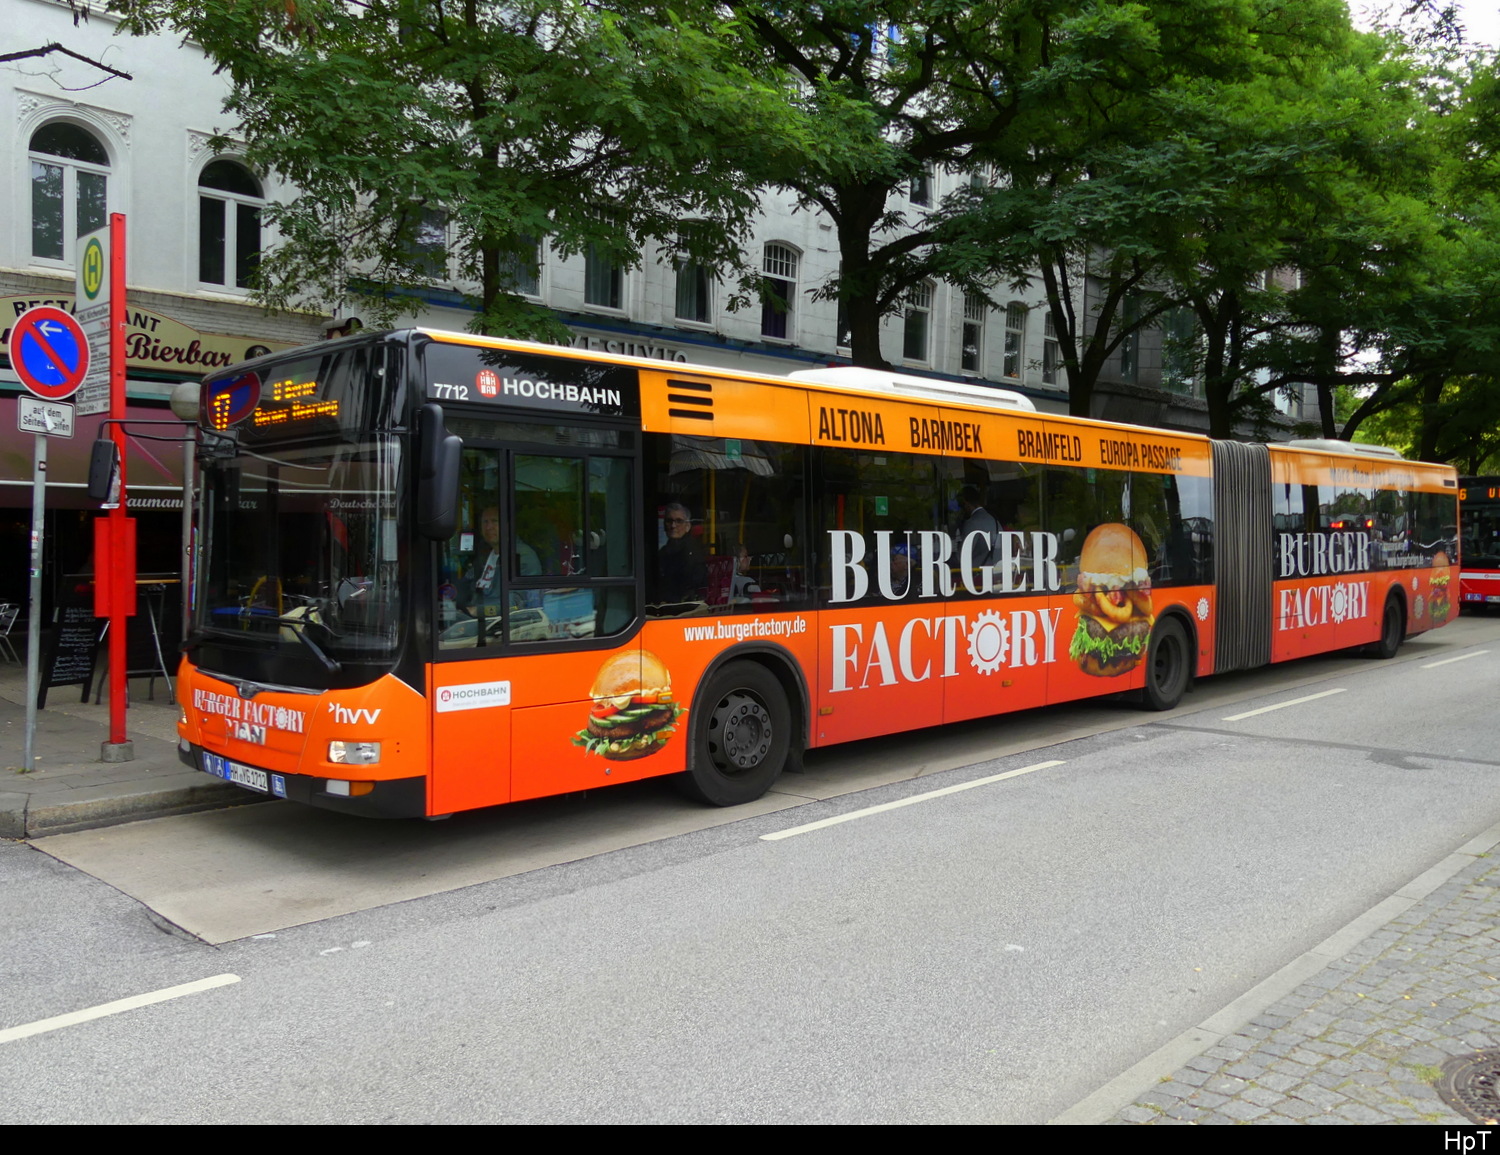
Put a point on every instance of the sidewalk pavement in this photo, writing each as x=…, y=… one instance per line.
x=71, y=788
x=1363, y=1028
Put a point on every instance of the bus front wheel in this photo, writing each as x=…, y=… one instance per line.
x=741, y=730
x=1392, y=631
x=1166, y=666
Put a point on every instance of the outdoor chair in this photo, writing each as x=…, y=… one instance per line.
x=8, y=614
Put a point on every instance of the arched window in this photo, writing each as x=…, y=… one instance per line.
x=779, y=292
x=603, y=275
x=1051, y=352
x=69, y=188
x=971, y=351
x=917, y=340
x=1015, y=338
x=229, y=204
x=694, y=285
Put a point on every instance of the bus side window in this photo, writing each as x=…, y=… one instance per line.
x=867, y=493
x=724, y=525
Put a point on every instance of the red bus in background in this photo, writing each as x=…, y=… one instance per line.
x=1479, y=541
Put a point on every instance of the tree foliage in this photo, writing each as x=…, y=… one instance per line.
x=1319, y=201
x=421, y=137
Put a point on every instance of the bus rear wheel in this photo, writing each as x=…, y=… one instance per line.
x=1166, y=666
x=741, y=730
x=1392, y=631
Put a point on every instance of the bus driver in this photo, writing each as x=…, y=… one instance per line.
x=479, y=593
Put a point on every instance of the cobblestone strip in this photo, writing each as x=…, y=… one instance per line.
x=1363, y=1040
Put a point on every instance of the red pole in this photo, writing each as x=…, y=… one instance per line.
x=122, y=556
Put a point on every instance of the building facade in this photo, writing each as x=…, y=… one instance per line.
x=80, y=144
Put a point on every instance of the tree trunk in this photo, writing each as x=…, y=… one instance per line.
x=859, y=276
x=1328, y=352
x=1429, y=425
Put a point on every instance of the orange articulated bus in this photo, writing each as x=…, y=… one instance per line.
x=439, y=572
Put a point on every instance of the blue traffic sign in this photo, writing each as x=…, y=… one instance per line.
x=49, y=352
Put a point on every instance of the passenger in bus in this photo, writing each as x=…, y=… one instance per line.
x=479, y=591
x=743, y=584
x=681, y=571
x=977, y=519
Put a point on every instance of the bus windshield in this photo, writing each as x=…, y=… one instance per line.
x=302, y=551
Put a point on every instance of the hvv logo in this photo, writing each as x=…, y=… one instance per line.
x=352, y=717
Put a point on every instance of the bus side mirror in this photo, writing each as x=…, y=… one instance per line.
x=104, y=471
x=438, y=453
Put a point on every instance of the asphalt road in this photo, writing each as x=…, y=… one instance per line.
x=987, y=954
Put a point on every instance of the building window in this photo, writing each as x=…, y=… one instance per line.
x=521, y=271
x=914, y=344
x=1051, y=352
x=921, y=187
x=603, y=277
x=426, y=246
x=971, y=350
x=1179, y=353
x=1015, y=338
x=778, y=291
x=693, y=285
x=1130, y=343
x=229, y=204
x=69, y=188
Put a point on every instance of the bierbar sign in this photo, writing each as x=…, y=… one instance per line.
x=155, y=341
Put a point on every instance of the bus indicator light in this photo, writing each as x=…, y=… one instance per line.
x=230, y=402
x=347, y=789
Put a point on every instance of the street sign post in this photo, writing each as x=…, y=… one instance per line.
x=48, y=418
x=50, y=354
x=117, y=587
x=92, y=301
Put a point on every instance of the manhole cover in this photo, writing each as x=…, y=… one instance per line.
x=1470, y=1084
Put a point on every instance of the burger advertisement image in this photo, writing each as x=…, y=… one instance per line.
x=634, y=713
x=1439, y=604
x=1113, y=601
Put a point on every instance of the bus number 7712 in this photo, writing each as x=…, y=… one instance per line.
x=440, y=572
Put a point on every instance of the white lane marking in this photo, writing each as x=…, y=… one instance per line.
x=1281, y=705
x=900, y=802
x=73, y=1018
x=1460, y=658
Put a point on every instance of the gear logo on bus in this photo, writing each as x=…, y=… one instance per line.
x=230, y=401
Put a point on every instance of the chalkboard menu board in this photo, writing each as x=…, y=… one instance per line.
x=68, y=659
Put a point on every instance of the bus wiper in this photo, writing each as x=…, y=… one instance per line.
x=298, y=626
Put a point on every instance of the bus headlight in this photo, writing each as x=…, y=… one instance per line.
x=354, y=753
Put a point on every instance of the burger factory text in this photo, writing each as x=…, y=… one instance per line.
x=864, y=656
x=1028, y=562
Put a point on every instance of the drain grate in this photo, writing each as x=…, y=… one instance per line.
x=1470, y=1084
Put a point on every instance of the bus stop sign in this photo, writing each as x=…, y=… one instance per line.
x=49, y=352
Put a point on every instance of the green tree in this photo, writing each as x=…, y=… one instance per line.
x=1110, y=198
x=899, y=91
x=424, y=135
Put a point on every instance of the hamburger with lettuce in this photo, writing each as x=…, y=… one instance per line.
x=1439, y=603
x=633, y=712
x=1113, y=601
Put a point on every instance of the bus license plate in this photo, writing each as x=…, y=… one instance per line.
x=247, y=776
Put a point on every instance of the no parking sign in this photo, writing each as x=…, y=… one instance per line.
x=49, y=352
